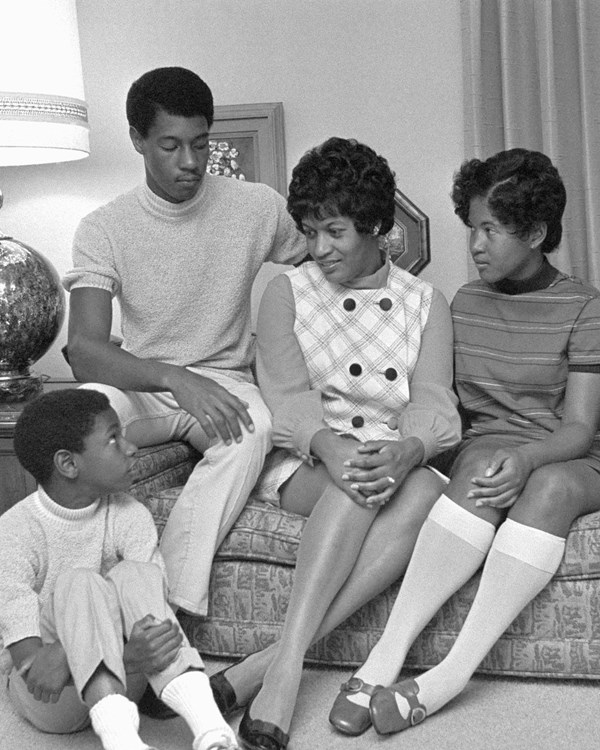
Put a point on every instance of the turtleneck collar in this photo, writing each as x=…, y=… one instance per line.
x=167, y=210
x=66, y=514
x=541, y=279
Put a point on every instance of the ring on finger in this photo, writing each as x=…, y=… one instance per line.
x=390, y=480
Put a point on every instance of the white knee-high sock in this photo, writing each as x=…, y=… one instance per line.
x=191, y=696
x=522, y=560
x=450, y=548
x=116, y=721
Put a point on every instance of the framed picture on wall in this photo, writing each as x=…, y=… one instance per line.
x=407, y=243
x=247, y=143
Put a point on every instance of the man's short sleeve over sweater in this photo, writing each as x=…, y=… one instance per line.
x=183, y=273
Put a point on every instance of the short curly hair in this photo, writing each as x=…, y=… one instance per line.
x=57, y=420
x=522, y=188
x=342, y=177
x=177, y=91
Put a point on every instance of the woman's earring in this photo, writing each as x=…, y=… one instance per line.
x=375, y=230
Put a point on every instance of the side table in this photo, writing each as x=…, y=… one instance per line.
x=15, y=482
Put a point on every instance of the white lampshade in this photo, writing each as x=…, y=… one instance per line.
x=43, y=114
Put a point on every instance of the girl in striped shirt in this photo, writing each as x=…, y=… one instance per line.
x=527, y=372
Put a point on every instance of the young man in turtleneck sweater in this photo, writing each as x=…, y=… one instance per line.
x=180, y=253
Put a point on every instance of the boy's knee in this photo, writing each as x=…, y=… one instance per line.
x=75, y=578
x=75, y=586
x=134, y=572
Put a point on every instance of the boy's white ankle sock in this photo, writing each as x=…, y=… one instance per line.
x=216, y=739
x=191, y=696
x=450, y=548
x=521, y=562
x=116, y=721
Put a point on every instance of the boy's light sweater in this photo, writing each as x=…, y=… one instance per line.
x=183, y=272
x=40, y=539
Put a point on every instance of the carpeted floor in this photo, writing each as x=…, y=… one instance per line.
x=492, y=714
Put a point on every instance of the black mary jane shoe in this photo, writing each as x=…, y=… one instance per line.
x=256, y=734
x=223, y=691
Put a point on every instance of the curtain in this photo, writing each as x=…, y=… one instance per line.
x=531, y=78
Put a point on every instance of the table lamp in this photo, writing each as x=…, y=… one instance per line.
x=43, y=119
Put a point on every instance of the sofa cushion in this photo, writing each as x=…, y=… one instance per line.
x=162, y=466
x=265, y=533
x=556, y=635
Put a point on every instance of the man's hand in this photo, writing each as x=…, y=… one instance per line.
x=46, y=672
x=152, y=646
x=381, y=467
x=220, y=413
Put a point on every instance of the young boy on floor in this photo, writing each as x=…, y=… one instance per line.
x=84, y=619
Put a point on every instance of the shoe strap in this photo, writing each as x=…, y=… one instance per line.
x=409, y=689
x=356, y=685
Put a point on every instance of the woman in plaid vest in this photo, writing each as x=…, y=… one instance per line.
x=354, y=360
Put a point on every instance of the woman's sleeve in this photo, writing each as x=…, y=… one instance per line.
x=282, y=373
x=431, y=414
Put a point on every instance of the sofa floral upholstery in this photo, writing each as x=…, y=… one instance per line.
x=557, y=635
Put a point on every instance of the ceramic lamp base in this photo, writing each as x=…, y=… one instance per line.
x=16, y=389
x=31, y=314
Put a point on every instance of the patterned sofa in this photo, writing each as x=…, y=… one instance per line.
x=558, y=634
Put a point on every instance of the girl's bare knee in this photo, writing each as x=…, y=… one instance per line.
x=551, y=500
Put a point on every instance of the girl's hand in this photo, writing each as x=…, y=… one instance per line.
x=382, y=467
x=504, y=479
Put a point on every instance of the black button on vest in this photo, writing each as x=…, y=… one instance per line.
x=357, y=421
x=349, y=304
x=391, y=374
x=385, y=304
x=355, y=369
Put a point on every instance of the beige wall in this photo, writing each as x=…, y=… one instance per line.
x=386, y=72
